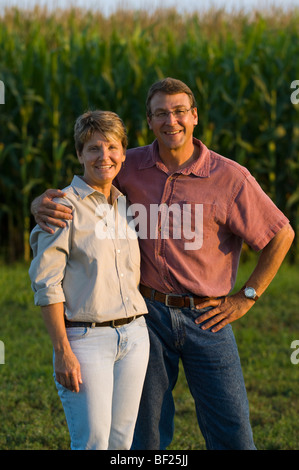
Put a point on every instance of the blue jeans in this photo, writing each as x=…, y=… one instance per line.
x=214, y=375
x=113, y=363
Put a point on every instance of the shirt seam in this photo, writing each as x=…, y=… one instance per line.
x=234, y=195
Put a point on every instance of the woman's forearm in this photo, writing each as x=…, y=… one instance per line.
x=53, y=316
x=67, y=367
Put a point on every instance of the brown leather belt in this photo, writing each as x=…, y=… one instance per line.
x=173, y=300
x=111, y=323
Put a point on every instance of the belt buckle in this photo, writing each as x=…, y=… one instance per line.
x=191, y=300
x=170, y=295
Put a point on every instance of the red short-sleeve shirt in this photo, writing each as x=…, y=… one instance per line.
x=192, y=223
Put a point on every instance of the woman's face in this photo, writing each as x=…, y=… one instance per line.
x=102, y=160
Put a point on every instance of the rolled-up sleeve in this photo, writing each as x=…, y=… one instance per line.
x=50, y=255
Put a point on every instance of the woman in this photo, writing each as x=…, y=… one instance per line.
x=85, y=278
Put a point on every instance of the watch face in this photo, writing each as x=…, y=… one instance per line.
x=250, y=292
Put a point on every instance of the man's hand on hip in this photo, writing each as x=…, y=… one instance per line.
x=225, y=311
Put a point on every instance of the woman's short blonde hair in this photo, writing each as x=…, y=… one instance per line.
x=107, y=123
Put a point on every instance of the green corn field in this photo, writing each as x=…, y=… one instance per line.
x=55, y=65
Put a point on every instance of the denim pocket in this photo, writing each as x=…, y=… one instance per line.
x=76, y=333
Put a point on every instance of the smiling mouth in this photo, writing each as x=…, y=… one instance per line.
x=172, y=132
x=104, y=167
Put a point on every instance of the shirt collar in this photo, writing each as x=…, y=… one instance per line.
x=200, y=167
x=84, y=190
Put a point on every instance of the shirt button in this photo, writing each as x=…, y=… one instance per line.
x=121, y=274
x=118, y=251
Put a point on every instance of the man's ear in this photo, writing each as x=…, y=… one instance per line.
x=194, y=112
x=149, y=121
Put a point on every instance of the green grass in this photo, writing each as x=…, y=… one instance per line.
x=32, y=417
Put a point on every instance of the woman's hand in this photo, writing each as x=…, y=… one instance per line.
x=67, y=370
x=66, y=365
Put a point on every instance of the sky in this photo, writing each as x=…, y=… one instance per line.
x=187, y=6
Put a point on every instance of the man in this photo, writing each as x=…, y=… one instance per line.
x=186, y=277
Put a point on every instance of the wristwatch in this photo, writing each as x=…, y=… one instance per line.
x=250, y=293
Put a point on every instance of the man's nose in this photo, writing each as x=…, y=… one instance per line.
x=171, y=118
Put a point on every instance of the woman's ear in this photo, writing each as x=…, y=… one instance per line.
x=80, y=158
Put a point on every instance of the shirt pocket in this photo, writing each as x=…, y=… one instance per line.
x=134, y=252
x=197, y=221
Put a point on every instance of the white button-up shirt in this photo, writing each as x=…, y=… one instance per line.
x=93, y=264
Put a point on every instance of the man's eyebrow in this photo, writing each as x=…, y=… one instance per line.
x=174, y=107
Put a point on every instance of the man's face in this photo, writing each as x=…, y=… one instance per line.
x=173, y=131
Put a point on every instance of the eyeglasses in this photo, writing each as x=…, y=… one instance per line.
x=177, y=113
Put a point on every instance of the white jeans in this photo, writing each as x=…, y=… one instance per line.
x=113, y=362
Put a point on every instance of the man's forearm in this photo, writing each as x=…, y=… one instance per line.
x=233, y=307
x=270, y=260
x=34, y=205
